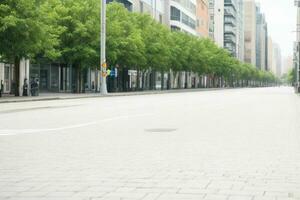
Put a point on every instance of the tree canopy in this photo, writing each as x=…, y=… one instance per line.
x=68, y=31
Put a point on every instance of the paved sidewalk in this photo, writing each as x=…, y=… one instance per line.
x=64, y=96
x=239, y=144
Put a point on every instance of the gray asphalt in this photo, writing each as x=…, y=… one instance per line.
x=227, y=144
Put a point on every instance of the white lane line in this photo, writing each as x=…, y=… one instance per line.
x=8, y=132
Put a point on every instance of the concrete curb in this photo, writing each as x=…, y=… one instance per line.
x=39, y=98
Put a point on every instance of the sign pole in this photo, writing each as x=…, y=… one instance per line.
x=103, y=86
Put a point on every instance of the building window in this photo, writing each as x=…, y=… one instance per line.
x=175, y=14
x=188, y=21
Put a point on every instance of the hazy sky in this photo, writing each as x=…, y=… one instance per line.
x=281, y=19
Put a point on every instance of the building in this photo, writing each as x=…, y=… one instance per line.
x=270, y=56
x=274, y=58
x=216, y=17
x=287, y=64
x=156, y=8
x=127, y=3
x=230, y=26
x=7, y=76
x=240, y=46
x=183, y=16
x=250, y=31
x=277, y=60
x=261, y=40
x=202, y=14
x=227, y=25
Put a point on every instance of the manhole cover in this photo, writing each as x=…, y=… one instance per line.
x=161, y=130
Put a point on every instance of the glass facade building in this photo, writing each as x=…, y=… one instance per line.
x=230, y=26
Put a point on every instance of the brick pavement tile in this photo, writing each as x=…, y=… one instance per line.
x=151, y=196
x=235, y=197
x=181, y=196
x=277, y=194
x=242, y=192
x=264, y=198
x=196, y=191
x=215, y=197
x=124, y=195
x=156, y=190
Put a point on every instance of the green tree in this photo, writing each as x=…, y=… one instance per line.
x=26, y=29
x=80, y=40
x=125, y=45
x=292, y=76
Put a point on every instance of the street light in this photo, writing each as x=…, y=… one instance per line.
x=103, y=86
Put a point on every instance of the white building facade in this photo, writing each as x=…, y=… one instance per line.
x=183, y=16
x=7, y=76
x=216, y=17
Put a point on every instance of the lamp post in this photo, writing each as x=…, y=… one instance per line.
x=103, y=86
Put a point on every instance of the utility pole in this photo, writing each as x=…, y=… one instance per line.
x=103, y=86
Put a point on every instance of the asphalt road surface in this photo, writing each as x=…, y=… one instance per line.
x=241, y=144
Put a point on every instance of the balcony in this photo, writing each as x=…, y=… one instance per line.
x=230, y=12
x=231, y=3
x=230, y=20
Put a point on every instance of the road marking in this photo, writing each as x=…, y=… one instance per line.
x=9, y=132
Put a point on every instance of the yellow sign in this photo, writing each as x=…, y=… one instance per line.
x=104, y=65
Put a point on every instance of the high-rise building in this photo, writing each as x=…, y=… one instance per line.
x=155, y=8
x=227, y=25
x=277, y=60
x=261, y=40
x=287, y=64
x=216, y=17
x=250, y=31
x=230, y=26
x=202, y=15
x=158, y=9
x=240, y=31
x=183, y=16
x=270, y=56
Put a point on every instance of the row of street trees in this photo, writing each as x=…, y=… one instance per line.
x=68, y=32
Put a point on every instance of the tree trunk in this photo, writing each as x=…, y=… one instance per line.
x=179, y=81
x=169, y=80
x=138, y=80
x=162, y=80
x=186, y=80
x=17, y=76
x=153, y=80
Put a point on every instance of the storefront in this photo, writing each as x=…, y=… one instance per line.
x=62, y=78
x=51, y=77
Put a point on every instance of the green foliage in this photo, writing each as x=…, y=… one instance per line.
x=291, y=76
x=68, y=31
x=25, y=30
x=79, y=40
x=125, y=45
